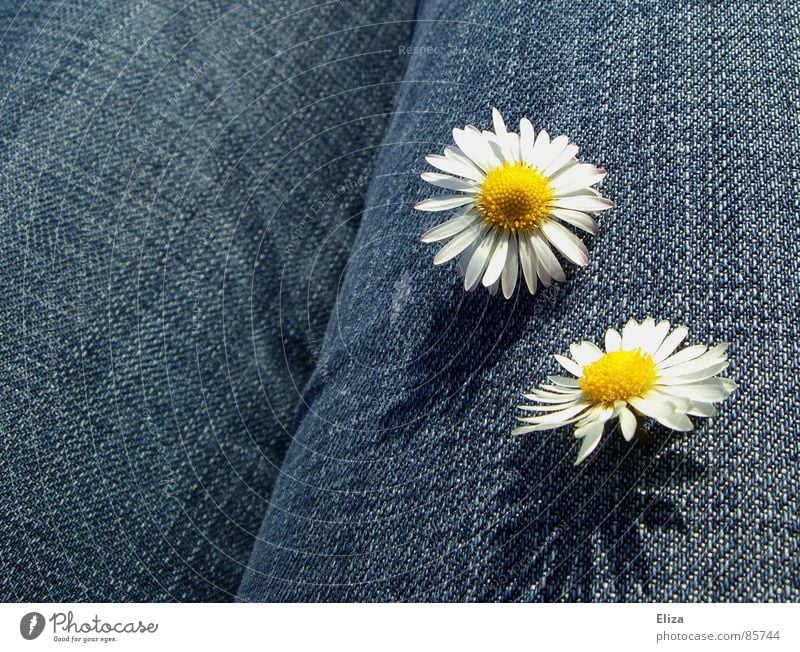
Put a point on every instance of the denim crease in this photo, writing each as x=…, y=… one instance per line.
x=181, y=185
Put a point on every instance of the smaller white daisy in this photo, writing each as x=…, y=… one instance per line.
x=514, y=192
x=638, y=375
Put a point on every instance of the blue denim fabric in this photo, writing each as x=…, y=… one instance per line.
x=181, y=183
x=403, y=482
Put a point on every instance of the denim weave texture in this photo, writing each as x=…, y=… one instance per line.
x=402, y=481
x=181, y=185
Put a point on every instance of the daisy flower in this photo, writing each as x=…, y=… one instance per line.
x=640, y=374
x=513, y=192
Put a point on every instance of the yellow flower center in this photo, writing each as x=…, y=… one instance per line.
x=618, y=376
x=514, y=197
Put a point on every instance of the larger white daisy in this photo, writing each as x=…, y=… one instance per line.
x=640, y=374
x=515, y=190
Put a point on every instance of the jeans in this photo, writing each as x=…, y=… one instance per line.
x=181, y=185
x=402, y=481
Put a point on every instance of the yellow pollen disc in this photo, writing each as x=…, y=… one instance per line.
x=618, y=376
x=514, y=197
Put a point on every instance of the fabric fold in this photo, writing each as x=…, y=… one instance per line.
x=403, y=481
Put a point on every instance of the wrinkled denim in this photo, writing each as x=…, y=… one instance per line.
x=402, y=481
x=181, y=184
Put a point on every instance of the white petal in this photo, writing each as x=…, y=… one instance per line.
x=499, y=124
x=473, y=144
x=551, y=407
x=527, y=261
x=583, y=203
x=676, y=403
x=654, y=337
x=712, y=357
x=552, y=403
x=576, y=218
x=541, y=267
x=708, y=391
x=585, y=353
x=648, y=325
x=553, y=150
x=450, y=228
x=676, y=421
x=598, y=413
x=670, y=343
x=514, y=144
x=450, y=183
x=701, y=409
x=546, y=259
x=552, y=397
x=591, y=437
x=652, y=407
x=580, y=192
x=454, y=153
x=566, y=166
x=444, y=203
x=563, y=381
x=476, y=282
x=643, y=333
x=581, y=175
x=561, y=160
x=540, y=147
x=452, y=166
x=537, y=427
x=466, y=256
x=570, y=365
x=627, y=423
x=459, y=243
x=630, y=335
x=498, y=260
x=536, y=424
x=684, y=355
x=566, y=242
x=494, y=287
x=479, y=261
x=561, y=389
x=526, y=138
x=567, y=415
x=613, y=340
x=497, y=147
x=697, y=376
x=511, y=270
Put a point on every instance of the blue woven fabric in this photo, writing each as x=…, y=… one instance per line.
x=403, y=483
x=181, y=183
